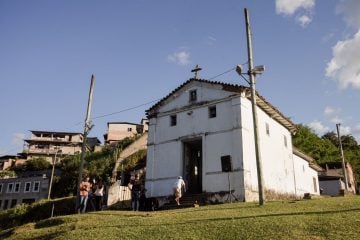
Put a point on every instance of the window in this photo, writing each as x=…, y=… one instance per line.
x=285, y=141
x=129, y=129
x=1, y=187
x=0, y=203
x=13, y=203
x=212, y=112
x=17, y=187
x=192, y=96
x=28, y=200
x=27, y=187
x=315, y=185
x=6, y=203
x=173, y=120
x=36, y=187
x=10, y=187
x=267, y=129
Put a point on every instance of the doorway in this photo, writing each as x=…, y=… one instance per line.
x=193, y=165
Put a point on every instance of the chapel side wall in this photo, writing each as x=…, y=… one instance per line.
x=276, y=155
x=306, y=178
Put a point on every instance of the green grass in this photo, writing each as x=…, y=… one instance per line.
x=326, y=218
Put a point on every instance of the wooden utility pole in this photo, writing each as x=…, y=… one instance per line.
x=254, y=113
x=342, y=157
x=87, y=129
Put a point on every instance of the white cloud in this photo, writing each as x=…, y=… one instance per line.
x=318, y=127
x=345, y=130
x=289, y=7
x=18, y=139
x=211, y=40
x=330, y=110
x=304, y=20
x=336, y=119
x=181, y=57
x=344, y=66
x=350, y=9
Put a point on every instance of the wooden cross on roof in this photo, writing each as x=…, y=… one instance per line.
x=196, y=70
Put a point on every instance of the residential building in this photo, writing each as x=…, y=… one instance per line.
x=51, y=144
x=28, y=188
x=203, y=131
x=7, y=161
x=117, y=131
x=332, y=180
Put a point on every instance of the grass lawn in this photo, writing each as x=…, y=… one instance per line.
x=325, y=218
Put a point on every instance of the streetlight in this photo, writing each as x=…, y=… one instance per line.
x=52, y=172
x=252, y=71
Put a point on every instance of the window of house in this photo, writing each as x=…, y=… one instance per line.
x=27, y=187
x=36, y=186
x=192, y=95
x=0, y=204
x=6, y=203
x=285, y=141
x=315, y=185
x=212, y=112
x=13, y=203
x=129, y=129
x=17, y=187
x=10, y=187
x=1, y=187
x=267, y=129
x=173, y=120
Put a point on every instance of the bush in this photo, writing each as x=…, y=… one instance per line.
x=24, y=213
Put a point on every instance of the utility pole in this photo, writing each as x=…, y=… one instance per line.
x=87, y=128
x=52, y=172
x=252, y=75
x=342, y=157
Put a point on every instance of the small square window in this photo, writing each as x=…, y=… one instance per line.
x=173, y=120
x=27, y=187
x=1, y=187
x=129, y=129
x=267, y=129
x=192, y=96
x=212, y=112
x=10, y=187
x=36, y=186
x=13, y=203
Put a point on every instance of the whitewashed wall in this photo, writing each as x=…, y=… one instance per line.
x=304, y=177
x=276, y=158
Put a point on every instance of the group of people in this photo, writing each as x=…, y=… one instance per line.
x=92, y=193
x=138, y=191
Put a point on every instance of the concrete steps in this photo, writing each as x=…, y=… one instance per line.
x=187, y=201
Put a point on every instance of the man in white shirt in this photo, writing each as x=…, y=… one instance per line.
x=178, y=187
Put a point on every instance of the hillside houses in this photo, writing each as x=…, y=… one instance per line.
x=203, y=131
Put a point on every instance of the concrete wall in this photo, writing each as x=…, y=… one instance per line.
x=119, y=131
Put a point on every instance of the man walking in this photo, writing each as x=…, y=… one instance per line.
x=179, y=188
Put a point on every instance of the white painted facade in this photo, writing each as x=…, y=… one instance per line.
x=230, y=133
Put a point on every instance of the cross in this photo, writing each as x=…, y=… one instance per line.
x=195, y=70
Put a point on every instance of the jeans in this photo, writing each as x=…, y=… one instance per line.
x=83, y=202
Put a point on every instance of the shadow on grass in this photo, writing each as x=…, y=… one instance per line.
x=48, y=223
x=6, y=233
x=48, y=236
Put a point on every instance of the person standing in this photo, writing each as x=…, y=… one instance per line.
x=85, y=187
x=99, y=193
x=179, y=188
x=134, y=186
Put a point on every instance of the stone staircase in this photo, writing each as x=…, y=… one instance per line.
x=187, y=201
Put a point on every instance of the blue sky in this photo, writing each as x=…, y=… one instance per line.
x=141, y=50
